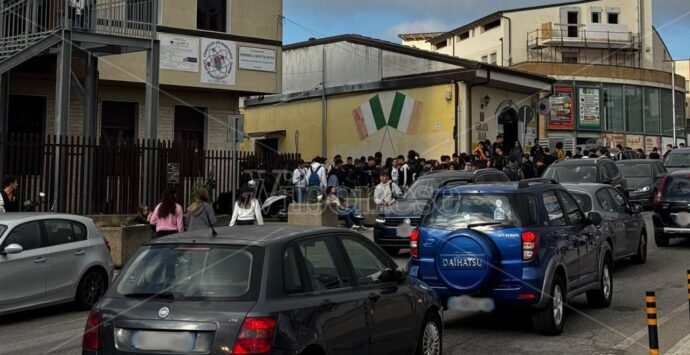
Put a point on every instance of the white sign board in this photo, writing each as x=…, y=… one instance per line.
x=218, y=62
x=261, y=59
x=179, y=53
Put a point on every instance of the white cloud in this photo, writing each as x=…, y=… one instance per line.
x=417, y=26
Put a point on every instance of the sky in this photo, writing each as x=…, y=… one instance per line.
x=385, y=19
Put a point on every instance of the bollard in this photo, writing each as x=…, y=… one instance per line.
x=688, y=289
x=651, y=323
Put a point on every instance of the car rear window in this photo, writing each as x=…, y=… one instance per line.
x=583, y=200
x=677, y=188
x=572, y=173
x=454, y=211
x=192, y=272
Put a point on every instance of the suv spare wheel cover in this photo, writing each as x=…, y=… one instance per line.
x=466, y=260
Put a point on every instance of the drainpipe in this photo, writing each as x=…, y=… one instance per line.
x=510, y=41
x=324, y=115
x=456, y=134
x=468, y=123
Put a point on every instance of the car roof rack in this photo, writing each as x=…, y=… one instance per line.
x=528, y=182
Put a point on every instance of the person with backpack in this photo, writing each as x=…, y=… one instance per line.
x=316, y=179
x=386, y=191
x=409, y=170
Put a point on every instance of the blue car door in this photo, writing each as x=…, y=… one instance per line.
x=564, y=237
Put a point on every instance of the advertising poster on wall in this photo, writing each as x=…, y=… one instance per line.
x=634, y=141
x=664, y=142
x=612, y=140
x=218, y=61
x=260, y=59
x=179, y=53
x=651, y=143
x=590, y=116
x=561, y=115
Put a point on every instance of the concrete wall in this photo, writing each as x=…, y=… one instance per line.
x=683, y=69
x=423, y=44
x=246, y=18
x=483, y=43
x=433, y=137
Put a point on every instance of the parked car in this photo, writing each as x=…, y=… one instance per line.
x=598, y=170
x=525, y=245
x=672, y=208
x=264, y=289
x=678, y=159
x=643, y=177
x=394, y=223
x=623, y=224
x=48, y=259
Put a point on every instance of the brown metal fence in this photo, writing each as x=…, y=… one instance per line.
x=91, y=176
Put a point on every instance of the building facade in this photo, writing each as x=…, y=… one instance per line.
x=205, y=54
x=354, y=95
x=612, y=67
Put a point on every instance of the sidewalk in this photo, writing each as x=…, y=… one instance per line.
x=681, y=348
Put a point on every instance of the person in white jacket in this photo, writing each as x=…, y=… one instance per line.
x=386, y=191
x=247, y=210
x=299, y=180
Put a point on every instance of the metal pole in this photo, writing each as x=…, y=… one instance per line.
x=324, y=116
x=233, y=170
x=689, y=287
x=673, y=100
x=652, y=323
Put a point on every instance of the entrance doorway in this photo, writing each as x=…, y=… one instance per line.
x=266, y=146
x=26, y=114
x=509, y=120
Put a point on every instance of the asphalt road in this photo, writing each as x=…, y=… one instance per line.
x=619, y=329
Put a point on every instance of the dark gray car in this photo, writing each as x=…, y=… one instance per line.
x=643, y=177
x=623, y=224
x=264, y=290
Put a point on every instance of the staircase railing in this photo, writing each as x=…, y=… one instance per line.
x=24, y=22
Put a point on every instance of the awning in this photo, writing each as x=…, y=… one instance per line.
x=266, y=135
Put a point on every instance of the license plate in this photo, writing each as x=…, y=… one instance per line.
x=461, y=262
x=164, y=341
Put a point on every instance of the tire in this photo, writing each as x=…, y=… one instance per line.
x=550, y=320
x=661, y=240
x=641, y=256
x=430, y=336
x=91, y=289
x=601, y=298
x=392, y=251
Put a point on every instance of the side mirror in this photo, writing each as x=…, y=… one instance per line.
x=595, y=218
x=636, y=209
x=400, y=275
x=12, y=249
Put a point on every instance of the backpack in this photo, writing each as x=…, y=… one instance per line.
x=314, y=179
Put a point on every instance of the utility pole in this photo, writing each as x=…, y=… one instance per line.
x=673, y=100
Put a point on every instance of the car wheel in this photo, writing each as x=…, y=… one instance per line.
x=601, y=298
x=550, y=320
x=392, y=251
x=641, y=256
x=431, y=337
x=660, y=239
x=91, y=288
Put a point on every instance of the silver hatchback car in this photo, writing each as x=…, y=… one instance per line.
x=48, y=259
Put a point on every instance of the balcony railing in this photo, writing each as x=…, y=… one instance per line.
x=578, y=37
x=24, y=22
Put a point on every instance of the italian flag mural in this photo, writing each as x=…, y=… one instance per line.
x=403, y=114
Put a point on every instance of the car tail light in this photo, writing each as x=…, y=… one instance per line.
x=92, y=340
x=660, y=191
x=255, y=337
x=414, y=243
x=530, y=244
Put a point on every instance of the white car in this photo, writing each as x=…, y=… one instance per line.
x=47, y=259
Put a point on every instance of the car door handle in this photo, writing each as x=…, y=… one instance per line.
x=327, y=304
x=79, y=252
x=374, y=297
x=40, y=260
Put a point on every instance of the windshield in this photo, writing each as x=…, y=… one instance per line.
x=451, y=212
x=677, y=160
x=635, y=170
x=422, y=189
x=572, y=173
x=583, y=200
x=190, y=272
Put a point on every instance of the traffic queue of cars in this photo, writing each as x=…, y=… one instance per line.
x=533, y=245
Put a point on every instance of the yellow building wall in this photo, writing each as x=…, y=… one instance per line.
x=433, y=138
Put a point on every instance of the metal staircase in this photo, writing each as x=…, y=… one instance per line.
x=32, y=27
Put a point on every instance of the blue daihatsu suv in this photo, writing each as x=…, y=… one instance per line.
x=525, y=244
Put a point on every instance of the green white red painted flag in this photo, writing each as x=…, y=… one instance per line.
x=404, y=116
x=405, y=113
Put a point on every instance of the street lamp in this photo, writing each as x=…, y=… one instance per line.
x=486, y=100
